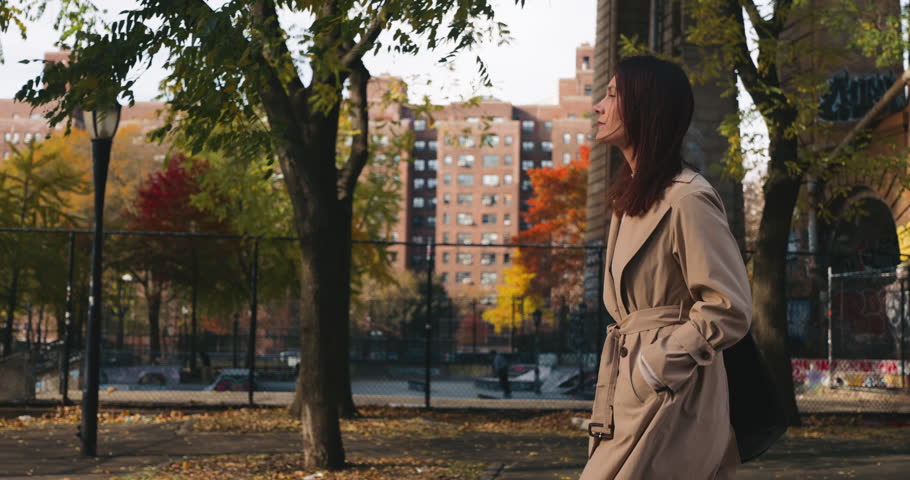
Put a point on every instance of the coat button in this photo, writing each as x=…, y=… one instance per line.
x=623, y=351
x=705, y=356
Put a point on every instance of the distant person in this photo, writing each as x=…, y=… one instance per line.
x=661, y=408
x=501, y=369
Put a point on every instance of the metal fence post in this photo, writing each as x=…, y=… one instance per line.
x=830, y=328
x=902, y=284
x=68, y=317
x=428, y=326
x=251, y=355
x=601, y=333
x=192, y=345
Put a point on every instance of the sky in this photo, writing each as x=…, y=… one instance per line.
x=526, y=71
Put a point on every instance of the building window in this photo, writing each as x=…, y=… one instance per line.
x=489, y=200
x=490, y=160
x=588, y=90
x=566, y=158
x=487, y=258
x=507, y=179
x=580, y=138
x=487, y=278
x=507, y=199
x=445, y=257
x=546, y=164
x=419, y=183
x=445, y=218
x=464, y=258
x=548, y=125
x=466, y=161
x=505, y=258
x=546, y=146
x=489, y=219
x=527, y=125
x=446, y=198
x=489, y=238
x=420, y=125
x=490, y=140
x=7, y=137
x=463, y=277
x=432, y=165
x=444, y=277
x=527, y=164
x=464, y=198
x=463, y=238
x=417, y=239
x=506, y=218
x=418, y=202
x=465, y=179
x=432, y=145
x=16, y=137
x=433, y=200
x=431, y=221
x=5, y=155
x=447, y=179
x=491, y=180
x=507, y=140
x=420, y=165
x=566, y=138
x=447, y=160
x=527, y=146
x=585, y=62
x=525, y=185
x=465, y=219
x=420, y=145
x=473, y=119
x=506, y=159
x=445, y=237
x=417, y=221
x=466, y=141
x=431, y=183
x=27, y=138
x=571, y=115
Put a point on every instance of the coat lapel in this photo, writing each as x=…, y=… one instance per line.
x=636, y=232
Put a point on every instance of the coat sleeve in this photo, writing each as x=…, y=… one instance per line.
x=716, y=278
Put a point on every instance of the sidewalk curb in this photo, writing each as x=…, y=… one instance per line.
x=492, y=471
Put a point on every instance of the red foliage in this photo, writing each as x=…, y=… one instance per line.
x=557, y=215
x=163, y=200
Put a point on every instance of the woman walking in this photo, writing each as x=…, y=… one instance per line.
x=676, y=285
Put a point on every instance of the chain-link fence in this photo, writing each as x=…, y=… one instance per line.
x=183, y=312
x=866, y=366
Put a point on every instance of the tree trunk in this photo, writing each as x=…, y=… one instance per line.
x=346, y=407
x=769, y=277
x=154, y=313
x=11, y=312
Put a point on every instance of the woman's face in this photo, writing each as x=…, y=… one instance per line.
x=609, y=126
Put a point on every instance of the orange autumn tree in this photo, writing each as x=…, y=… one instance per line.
x=557, y=215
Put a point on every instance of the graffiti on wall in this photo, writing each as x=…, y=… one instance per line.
x=812, y=373
x=849, y=97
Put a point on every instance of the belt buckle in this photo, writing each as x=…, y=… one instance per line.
x=602, y=435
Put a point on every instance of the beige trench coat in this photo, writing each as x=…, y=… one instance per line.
x=680, y=294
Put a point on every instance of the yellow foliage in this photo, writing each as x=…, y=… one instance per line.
x=903, y=239
x=516, y=282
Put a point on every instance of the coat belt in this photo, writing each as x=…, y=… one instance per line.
x=635, y=322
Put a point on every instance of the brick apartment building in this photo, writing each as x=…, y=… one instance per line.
x=467, y=181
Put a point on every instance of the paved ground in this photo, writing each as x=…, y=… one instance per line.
x=52, y=453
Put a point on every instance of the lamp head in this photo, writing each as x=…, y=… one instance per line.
x=102, y=120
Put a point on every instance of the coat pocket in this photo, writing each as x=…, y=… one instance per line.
x=640, y=387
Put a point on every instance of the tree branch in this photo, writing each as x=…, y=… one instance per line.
x=356, y=51
x=359, y=156
x=876, y=109
x=274, y=45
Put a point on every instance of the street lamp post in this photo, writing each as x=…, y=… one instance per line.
x=537, y=317
x=101, y=124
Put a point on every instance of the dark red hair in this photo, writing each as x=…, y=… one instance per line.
x=655, y=107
